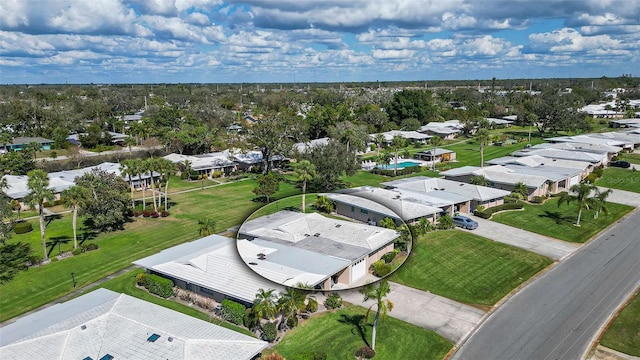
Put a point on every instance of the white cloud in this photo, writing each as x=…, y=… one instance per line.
x=392, y=54
x=570, y=40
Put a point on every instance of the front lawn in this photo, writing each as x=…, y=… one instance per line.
x=624, y=333
x=466, y=267
x=558, y=222
x=339, y=334
x=228, y=204
x=622, y=179
x=125, y=284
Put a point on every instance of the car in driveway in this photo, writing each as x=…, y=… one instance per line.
x=464, y=222
x=621, y=164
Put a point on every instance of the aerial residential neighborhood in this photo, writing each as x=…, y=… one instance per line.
x=319, y=180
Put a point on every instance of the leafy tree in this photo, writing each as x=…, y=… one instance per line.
x=304, y=171
x=268, y=185
x=265, y=304
x=13, y=258
x=417, y=104
x=59, y=138
x=479, y=180
x=72, y=198
x=107, y=200
x=15, y=163
x=39, y=193
x=207, y=226
x=332, y=161
x=5, y=139
x=354, y=136
x=600, y=200
x=383, y=306
x=32, y=149
x=580, y=194
x=323, y=204
x=388, y=223
x=274, y=134
x=6, y=213
x=445, y=222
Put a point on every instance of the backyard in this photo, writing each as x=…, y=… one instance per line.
x=622, y=179
x=558, y=221
x=466, y=267
x=340, y=333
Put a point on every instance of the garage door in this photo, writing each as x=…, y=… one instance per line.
x=574, y=180
x=358, y=270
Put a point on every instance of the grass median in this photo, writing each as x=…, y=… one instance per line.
x=466, y=267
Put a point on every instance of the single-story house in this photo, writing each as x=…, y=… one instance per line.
x=293, y=248
x=480, y=195
x=251, y=159
x=209, y=266
x=449, y=129
x=131, y=118
x=626, y=140
x=412, y=136
x=370, y=205
x=116, y=138
x=436, y=155
x=584, y=167
x=303, y=147
x=600, y=149
x=501, y=177
x=561, y=154
x=206, y=164
x=19, y=143
x=495, y=123
x=625, y=123
x=107, y=325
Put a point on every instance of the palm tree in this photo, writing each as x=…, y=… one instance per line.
x=305, y=171
x=168, y=168
x=72, y=198
x=265, y=305
x=379, y=139
x=601, y=201
x=127, y=169
x=185, y=167
x=138, y=167
x=39, y=193
x=15, y=206
x=207, y=226
x=291, y=303
x=482, y=135
x=383, y=306
x=130, y=141
x=397, y=143
x=520, y=190
x=150, y=167
x=479, y=180
x=580, y=194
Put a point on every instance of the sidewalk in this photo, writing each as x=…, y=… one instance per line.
x=623, y=197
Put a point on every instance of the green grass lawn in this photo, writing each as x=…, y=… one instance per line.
x=558, y=222
x=633, y=158
x=126, y=284
x=228, y=204
x=468, y=153
x=622, y=179
x=339, y=335
x=624, y=333
x=468, y=268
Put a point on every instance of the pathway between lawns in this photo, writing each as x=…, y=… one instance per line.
x=70, y=295
x=623, y=197
x=449, y=318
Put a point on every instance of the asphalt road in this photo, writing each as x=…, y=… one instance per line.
x=559, y=314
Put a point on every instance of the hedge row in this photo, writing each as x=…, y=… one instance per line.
x=486, y=213
x=158, y=285
x=232, y=311
x=22, y=227
x=400, y=172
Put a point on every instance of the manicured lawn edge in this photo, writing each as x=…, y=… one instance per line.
x=623, y=333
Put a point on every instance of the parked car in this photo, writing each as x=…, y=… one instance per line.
x=621, y=164
x=464, y=222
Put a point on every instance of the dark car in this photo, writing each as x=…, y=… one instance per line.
x=464, y=222
x=621, y=164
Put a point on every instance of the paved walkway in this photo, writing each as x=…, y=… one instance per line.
x=623, y=197
x=448, y=318
x=539, y=244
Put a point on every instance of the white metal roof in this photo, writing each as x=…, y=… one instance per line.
x=104, y=322
x=406, y=204
x=439, y=185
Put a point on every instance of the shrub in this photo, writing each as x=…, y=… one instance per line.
x=249, y=320
x=561, y=193
x=538, y=199
x=141, y=279
x=77, y=251
x=381, y=269
x=269, y=332
x=216, y=174
x=292, y=321
x=90, y=246
x=480, y=208
x=445, y=222
x=273, y=356
x=400, y=172
x=598, y=171
x=312, y=305
x=160, y=209
x=155, y=214
x=158, y=285
x=54, y=259
x=232, y=311
x=591, y=178
x=136, y=213
x=366, y=353
x=22, y=227
x=164, y=213
x=490, y=211
x=333, y=301
x=34, y=259
x=388, y=257
x=146, y=213
x=309, y=355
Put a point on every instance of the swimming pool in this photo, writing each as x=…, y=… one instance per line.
x=401, y=165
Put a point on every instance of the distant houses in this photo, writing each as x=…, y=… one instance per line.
x=19, y=143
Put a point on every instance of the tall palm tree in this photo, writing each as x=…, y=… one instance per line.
x=127, y=169
x=130, y=141
x=482, y=135
x=379, y=139
x=265, y=305
x=150, y=166
x=305, y=171
x=72, y=198
x=579, y=193
x=383, y=306
x=397, y=143
x=168, y=169
x=207, y=226
x=138, y=167
x=600, y=200
x=39, y=193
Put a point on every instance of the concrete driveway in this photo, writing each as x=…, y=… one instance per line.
x=539, y=244
x=623, y=197
x=448, y=318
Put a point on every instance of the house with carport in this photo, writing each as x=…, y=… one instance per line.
x=206, y=164
x=413, y=137
x=296, y=249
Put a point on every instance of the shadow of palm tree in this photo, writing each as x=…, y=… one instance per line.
x=558, y=217
x=357, y=321
x=49, y=218
x=58, y=240
x=87, y=235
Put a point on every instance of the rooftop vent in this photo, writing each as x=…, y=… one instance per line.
x=153, y=337
x=261, y=256
x=338, y=225
x=107, y=357
x=253, y=263
x=83, y=327
x=316, y=234
x=170, y=339
x=307, y=235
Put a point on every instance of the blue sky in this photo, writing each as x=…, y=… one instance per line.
x=208, y=41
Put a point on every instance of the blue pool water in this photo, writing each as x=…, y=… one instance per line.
x=401, y=165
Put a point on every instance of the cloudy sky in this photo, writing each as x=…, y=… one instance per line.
x=144, y=41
